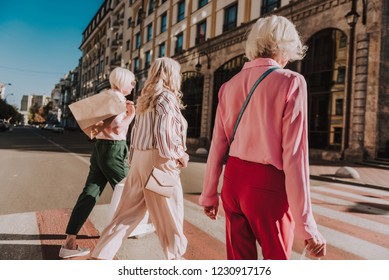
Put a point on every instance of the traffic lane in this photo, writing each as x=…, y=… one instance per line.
x=38, y=172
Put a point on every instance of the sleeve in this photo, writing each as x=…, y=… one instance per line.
x=295, y=158
x=122, y=122
x=167, y=129
x=219, y=147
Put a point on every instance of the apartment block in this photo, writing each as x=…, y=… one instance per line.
x=345, y=66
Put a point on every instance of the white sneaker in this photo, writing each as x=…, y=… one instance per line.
x=71, y=253
x=142, y=230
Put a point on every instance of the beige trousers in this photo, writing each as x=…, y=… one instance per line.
x=167, y=214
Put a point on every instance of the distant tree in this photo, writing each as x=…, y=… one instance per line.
x=33, y=113
x=48, y=114
x=9, y=113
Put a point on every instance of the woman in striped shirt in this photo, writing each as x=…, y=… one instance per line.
x=157, y=139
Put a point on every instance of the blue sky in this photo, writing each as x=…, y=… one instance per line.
x=39, y=43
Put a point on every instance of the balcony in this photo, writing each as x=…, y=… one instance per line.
x=119, y=39
x=116, y=61
x=115, y=25
x=114, y=44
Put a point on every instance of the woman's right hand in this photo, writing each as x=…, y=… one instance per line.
x=316, y=245
x=211, y=211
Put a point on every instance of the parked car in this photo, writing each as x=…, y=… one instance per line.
x=58, y=128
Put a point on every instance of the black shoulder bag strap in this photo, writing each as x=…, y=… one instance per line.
x=248, y=99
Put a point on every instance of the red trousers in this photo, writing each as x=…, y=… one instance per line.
x=257, y=209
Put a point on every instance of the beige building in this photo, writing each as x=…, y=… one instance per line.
x=345, y=67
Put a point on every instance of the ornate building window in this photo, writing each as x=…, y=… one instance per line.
x=179, y=43
x=202, y=3
x=192, y=87
x=201, y=32
x=230, y=17
x=269, y=6
x=162, y=50
x=180, y=10
x=163, y=22
x=324, y=69
x=222, y=75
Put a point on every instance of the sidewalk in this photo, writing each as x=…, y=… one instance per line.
x=370, y=176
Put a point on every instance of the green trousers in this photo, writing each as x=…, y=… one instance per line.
x=108, y=163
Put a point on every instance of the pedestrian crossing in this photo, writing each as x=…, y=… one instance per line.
x=354, y=221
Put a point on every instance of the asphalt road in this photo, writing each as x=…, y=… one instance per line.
x=43, y=170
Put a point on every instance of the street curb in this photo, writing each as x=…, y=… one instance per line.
x=335, y=180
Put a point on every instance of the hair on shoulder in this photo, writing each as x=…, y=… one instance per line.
x=164, y=75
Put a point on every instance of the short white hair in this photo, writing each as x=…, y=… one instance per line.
x=121, y=79
x=274, y=37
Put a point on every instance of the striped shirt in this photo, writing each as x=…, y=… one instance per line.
x=163, y=128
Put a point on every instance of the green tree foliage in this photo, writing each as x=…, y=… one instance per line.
x=9, y=113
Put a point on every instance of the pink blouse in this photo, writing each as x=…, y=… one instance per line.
x=273, y=130
x=118, y=128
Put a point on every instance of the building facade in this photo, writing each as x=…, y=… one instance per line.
x=345, y=66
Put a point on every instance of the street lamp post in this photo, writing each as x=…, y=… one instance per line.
x=5, y=97
x=198, y=65
x=2, y=86
x=352, y=19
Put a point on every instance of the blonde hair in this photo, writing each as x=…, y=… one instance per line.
x=121, y=79
x=274, y=37
x=164, y=74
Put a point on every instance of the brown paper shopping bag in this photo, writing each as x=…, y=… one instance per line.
x=96, y=112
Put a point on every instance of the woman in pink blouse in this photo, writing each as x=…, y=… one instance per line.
x=265, y=191
x=157, y=139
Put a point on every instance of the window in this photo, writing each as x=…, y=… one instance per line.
x=179, y=43
x=341, y=75
x=192, y=88
x=129, y=22
x=342, y=40
x=230, y=17
x=321, y=70
x=181, y=10
x=137, y=40
x=269, y=6
x=337, y=135
x=149, y=32
x=127, y=45
x=202, y=3
x=163, y=22
x=151, y=7
x=201, y=32
x=161, y=50
x=136, y=64
x=140, y=15
x=339, y=107
x=147, y=59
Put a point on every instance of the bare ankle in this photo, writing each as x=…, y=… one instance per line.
x=70, y=242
